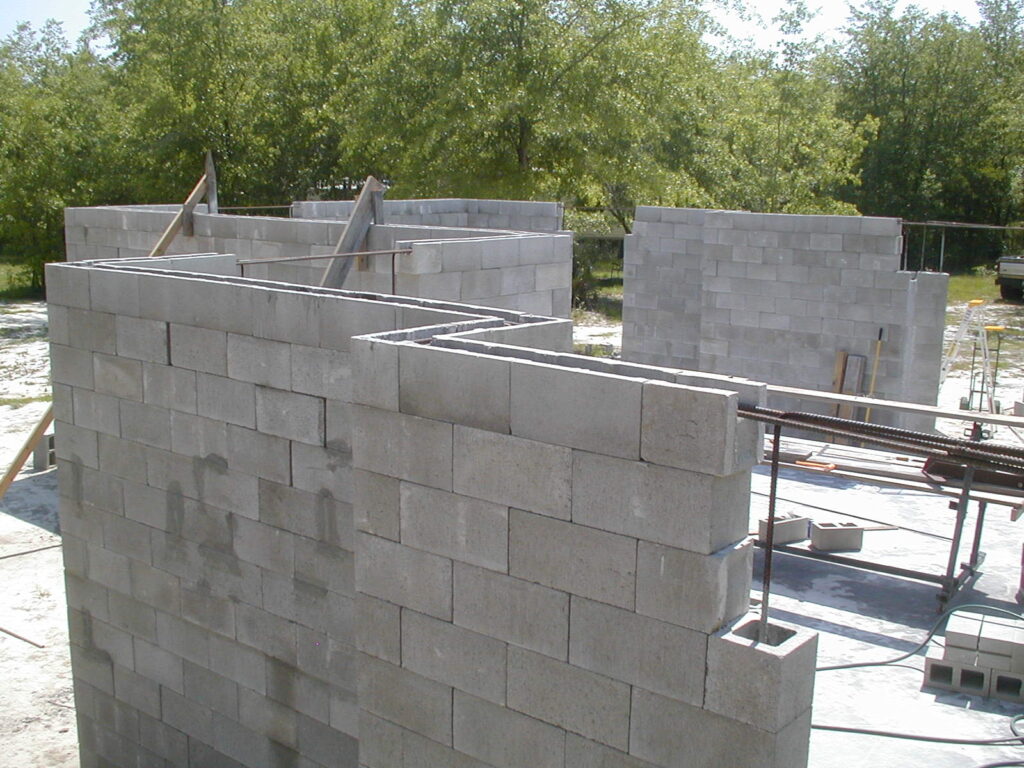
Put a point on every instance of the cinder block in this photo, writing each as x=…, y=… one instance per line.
x=114, y=292
x=998, y=635
x=288, y=316
x=837, y=537
x=137, y=691
x=385, y=745
x=259, y=454
x=448, y=654
x=956, y=677
x=693, y=511
x=146, y=424
x=510, y=609
x=583, y=753
x=266, y=632
x=572, y=698
x=661, y=729
x=378, y=628
x=93, y=331
x=222, y=399
x=259, y=361
x=450, y=385
x=788, y=529
x=692, y=429
x=159, y=665
x=196, y=436
x=270, y=548
x=1007, y=686
x=407, y=577
x=625, y=646
x=118, y=376
x=67, y=286
x=121, y=458
x=343, y=318
x=459, y=527
x=237, y=662
x=142, y=339
x=71, y=366
x=778, y=673
x=406, y=699
x=322, y=470
x=504, y=738
x=267, y=717
x=201, y=607
x=169, y=387
x=375, y=379
x=399, y=445
x=97, y=412
x=512, y=471
x=574, y=558
x=579, y=409
x=76, y=445
x=375, y=503
x=315, y=515
x=321, y=372
x=290, y=415
x=199, y=349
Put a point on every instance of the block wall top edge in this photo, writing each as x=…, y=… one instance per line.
x=647, y=210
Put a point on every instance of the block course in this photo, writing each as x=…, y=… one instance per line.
x=444, y=583
x=774, y=297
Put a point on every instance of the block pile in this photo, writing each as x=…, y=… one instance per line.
x=984, y=656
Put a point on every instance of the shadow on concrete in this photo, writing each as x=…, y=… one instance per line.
x=32, y=498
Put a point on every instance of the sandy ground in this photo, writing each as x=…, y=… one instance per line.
x=858, y=615
x=36, y=705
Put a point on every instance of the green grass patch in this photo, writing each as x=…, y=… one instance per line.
x=15, y=282
x=18, y=402
x=964, y=288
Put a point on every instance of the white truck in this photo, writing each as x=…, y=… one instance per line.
x=1010, y=277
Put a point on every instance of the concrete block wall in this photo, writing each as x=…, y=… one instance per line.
x=553, y=565
x=203, y=443
x=522, y=215
x=297, y=535
x=522, y=271
x=774, y=297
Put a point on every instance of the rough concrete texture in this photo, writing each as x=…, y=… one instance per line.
x=774, y=297
x=517, y=259
x=288, y=546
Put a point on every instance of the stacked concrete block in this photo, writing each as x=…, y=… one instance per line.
x=516, y=270
x=524, y=216
x=205, y=483
x=982, y=656
x=555, y=565
x=774, y=297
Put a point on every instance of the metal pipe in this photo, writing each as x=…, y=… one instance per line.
x=766, y=578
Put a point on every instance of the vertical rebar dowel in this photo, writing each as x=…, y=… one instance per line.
x=766, y=578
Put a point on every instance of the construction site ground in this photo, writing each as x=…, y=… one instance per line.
x=860, y=616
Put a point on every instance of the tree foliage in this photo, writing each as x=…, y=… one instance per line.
x=601, y=103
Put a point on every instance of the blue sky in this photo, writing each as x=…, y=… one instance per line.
x=832, y=16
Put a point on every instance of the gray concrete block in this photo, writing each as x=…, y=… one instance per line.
x=259, y=361
x=142, y=339
x=403, y=446
x=200, y=606
x=270, y=548
x=778, y=674
x=378, y=628
x=267, y=717
x=579, y=409
x=662, y=729
x=440, y=651
x=322, y=372
x=137, y=691
x=259, y=454
x=459, y=527
x=583, y=753
x=512, y=471
x=693, y=511
x=405, y=576
x=406, y=699
x=692, y=429
x=504, y=738
x=385, y=745
x=634, y=649
x=290, y=415
x=375, y=503
x=574, y=558
x=450, y=385
x=67, y=286
x=266, y=632
x=196, y=436
x=511, y=609
x=121, y=458
x=76, y=445
x=572, y=698
x=70, y=366
x=315, y=515
x=288, y=316
x=343, y=318
x=169, y=387
x=97, y=412
x=146, y=424
x=199, y=349
x=237, y=662
x=375, y=374
x=159, y=665
x=223, y=399
x=118, y=376
x=322, y=470
x=93, y=331
x=114, y=292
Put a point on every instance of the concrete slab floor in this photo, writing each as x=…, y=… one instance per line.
x=864, y=616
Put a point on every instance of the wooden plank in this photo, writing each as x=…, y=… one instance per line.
x=211, y=184
x=853, y=377
x=177, y=222
x=897, y=405
x=352, y=237
x=187, y=228
x=26, y=451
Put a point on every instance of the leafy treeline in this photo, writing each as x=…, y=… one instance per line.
x=600, y=103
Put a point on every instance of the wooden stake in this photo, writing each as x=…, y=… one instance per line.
x=368, y=209
x=26, y=451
